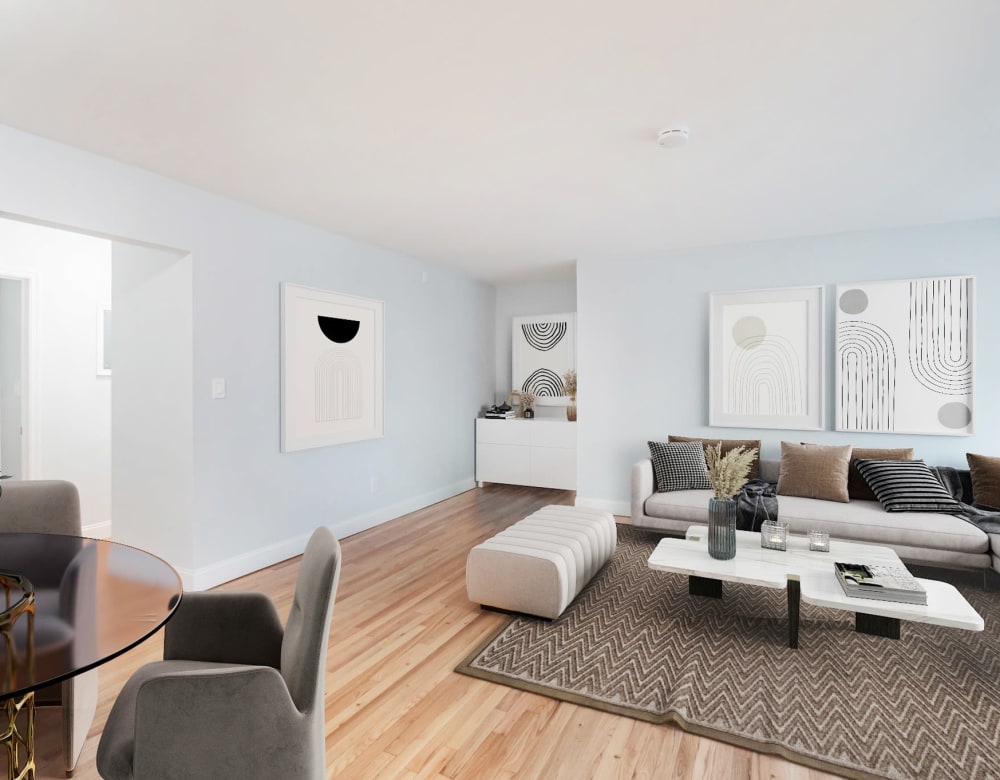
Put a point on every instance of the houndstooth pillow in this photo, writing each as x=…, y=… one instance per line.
x=679, y=466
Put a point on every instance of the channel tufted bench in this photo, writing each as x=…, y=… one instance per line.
x=541, y=563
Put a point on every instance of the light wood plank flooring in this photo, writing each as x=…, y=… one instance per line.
x=395, y=708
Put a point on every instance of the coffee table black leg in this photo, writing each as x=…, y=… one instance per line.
x=794, y=596
x=704, y=586
x=876, y=625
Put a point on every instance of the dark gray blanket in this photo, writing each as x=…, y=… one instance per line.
x=959, y=484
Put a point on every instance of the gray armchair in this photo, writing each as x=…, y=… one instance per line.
x=236, y=695
x=63, y=593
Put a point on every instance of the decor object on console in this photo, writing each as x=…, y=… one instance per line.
x=904, y=356
x=543, y=349
x=569, y=385
x=727, y=475
x=332, y=368
x=766, y=362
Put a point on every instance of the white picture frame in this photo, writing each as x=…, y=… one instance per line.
x=905, y=356
x=332, y=368
x=543, y=349
x=103, y=351
x=766, y=361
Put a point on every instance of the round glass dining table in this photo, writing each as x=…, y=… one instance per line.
x=94, y=599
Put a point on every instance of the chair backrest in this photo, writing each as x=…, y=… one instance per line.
x=48, y=506
x=307, y=631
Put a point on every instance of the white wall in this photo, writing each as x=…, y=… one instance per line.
x=152, y=418
x=70, y=424
x=251, y=505
x=521, y=300
x=643, y=340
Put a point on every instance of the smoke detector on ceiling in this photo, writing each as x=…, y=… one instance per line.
x=672, y=137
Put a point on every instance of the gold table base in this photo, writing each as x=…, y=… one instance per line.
x=20, y=744
x=19, y=599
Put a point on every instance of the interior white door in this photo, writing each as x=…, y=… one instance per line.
x=11, y=377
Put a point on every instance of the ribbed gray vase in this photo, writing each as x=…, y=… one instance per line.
x=722, y=528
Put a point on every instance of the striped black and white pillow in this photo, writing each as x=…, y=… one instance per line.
x=679, y=466
x=906, y=486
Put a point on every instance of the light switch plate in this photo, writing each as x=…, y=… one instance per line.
x=218, y=387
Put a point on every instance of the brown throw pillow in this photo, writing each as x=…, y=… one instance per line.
x=857, y=488
x=985, y=479
x=814, y=471
x=727, y=445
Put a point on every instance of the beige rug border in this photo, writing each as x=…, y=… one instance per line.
x=670, y=717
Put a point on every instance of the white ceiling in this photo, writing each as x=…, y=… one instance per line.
x=509, y=138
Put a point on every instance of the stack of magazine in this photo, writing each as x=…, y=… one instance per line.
x=880, y=581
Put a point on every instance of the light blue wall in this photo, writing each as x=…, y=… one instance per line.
x=643, y=339
x=252, y=504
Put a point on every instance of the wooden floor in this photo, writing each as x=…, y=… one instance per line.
x=394, y=706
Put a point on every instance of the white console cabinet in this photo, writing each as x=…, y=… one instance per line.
x=539, y=452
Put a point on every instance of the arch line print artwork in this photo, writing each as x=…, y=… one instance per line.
x=905, y=356
x=543, y=348
x=332, y=368
x=767, y=359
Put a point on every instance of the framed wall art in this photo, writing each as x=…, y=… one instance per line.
x=905, y=356
x=543, y=349
x=766, y=359
x=332, y=368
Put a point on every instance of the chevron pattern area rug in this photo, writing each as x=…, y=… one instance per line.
x=635, y=643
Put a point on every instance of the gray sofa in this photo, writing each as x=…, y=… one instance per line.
x=917, y=537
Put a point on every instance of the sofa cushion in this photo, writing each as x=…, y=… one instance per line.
x=679, y=466
x=814, y=471
x=858, y=521
x=857, y=488
x=866, y=521
x=727, y=445
x=985, y=479
x=691, y=505
x=907, y=486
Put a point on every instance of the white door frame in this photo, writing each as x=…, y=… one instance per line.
x=29, y=366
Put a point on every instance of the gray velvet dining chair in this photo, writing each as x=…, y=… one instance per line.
x=237, y=695
x=64, y=594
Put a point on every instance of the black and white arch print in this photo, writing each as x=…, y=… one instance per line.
x=543, y=350
x=904, y=356
x=543, y=336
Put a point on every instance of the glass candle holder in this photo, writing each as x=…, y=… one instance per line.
x=819, y=541
x=774, y=536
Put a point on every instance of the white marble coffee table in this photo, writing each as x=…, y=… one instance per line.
x=808, y=576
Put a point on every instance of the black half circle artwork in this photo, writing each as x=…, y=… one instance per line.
x=338, y=330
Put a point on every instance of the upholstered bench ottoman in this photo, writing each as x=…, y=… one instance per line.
x=541, y=563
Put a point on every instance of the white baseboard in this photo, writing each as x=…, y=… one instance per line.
x=254, y=560
x=97, y=530
x=605, y=505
